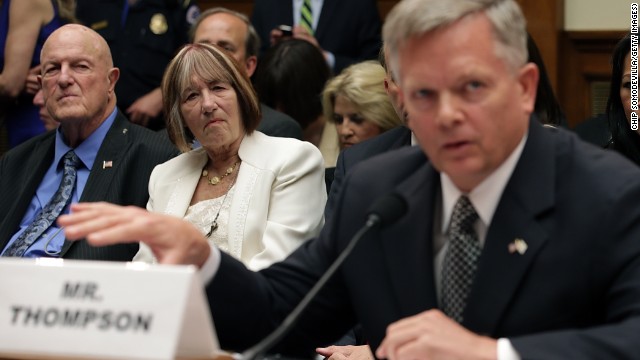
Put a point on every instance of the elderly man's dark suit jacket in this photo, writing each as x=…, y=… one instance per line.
x=133, y=150
x=350, y=29
x=574, y=293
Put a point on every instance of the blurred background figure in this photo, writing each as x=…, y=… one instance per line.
x=547, y=108
x=233, y=32
x=357, y=104
x=254, y=196
x=290, y=78
x=623, y=138
x=24, y=27
x=346, y=32
x=49, y=122
x=143, y=36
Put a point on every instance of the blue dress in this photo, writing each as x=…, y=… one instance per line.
x=22, y=119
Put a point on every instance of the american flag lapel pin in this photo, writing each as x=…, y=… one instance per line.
x=107, y=164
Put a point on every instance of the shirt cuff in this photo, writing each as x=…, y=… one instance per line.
x=331, y=59
x=210, y=267
x=506, y=351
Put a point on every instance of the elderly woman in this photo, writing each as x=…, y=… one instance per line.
x=254, y=196
x=356, y=102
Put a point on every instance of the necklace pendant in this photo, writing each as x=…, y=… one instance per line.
x=213, y=228
x=214, y=180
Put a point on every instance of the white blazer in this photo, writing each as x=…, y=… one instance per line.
x=278, y=201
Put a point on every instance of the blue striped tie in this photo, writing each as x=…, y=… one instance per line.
x=51, y=211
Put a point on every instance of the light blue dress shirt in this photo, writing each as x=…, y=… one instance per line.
x=87, y=152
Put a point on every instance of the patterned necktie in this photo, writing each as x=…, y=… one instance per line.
x=460, y=260
x=306, y=16
x=51, y=210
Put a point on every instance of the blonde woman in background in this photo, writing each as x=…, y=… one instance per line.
x=356, y=103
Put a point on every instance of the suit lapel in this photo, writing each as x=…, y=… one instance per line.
x=410, y=241
x=113, y=149
x=38, y=165
x=324, y=22
x=181, y=187
x=528, y=195
x=108, y=160
x=286, y=15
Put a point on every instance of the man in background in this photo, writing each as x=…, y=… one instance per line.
x=233, y=32
x=346, y=32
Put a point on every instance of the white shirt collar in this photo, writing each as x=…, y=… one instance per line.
x=486, y=195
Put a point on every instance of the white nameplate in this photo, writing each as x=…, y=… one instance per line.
x=103, y=310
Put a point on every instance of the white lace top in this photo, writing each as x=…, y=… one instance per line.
x=202, y=214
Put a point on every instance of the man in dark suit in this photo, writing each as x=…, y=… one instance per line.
x=233, y=32
x=345, y=31
x=117, y=157
x=518, y=241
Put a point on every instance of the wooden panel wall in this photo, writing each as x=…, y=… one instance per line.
x=545, y=21
x=586, y=59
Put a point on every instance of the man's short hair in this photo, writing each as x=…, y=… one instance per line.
x=412, y=18
x=252, y=41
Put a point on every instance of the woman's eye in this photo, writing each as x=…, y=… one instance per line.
x=356, y=119
x=190, y=97
x=337, y=119
x=626, y=84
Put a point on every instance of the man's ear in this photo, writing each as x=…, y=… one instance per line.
x=528, y=77
x=252, y=63
x=114, y=75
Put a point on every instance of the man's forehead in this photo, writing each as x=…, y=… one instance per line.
x=223, y=22
x=448, y=41
x=72, y=41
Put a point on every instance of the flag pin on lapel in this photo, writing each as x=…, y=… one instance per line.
x=107, y=164
x=519, y=246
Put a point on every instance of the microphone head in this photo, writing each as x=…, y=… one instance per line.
x=388, y=209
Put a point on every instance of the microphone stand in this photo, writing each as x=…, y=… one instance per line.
x=257, y=351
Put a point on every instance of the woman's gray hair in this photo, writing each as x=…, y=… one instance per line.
x=413, y=18
x=208, y=63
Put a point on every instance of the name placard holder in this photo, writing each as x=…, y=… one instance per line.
x=53, y=308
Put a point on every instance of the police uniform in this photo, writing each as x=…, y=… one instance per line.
x=143, y=38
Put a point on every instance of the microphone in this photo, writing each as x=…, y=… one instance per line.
x=385, y=211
